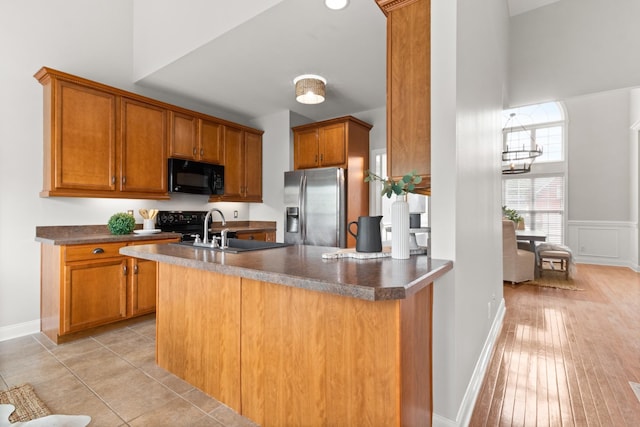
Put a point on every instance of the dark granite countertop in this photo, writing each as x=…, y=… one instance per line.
x=303, y=267
x=86, y=234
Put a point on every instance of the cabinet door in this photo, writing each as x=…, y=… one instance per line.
x=233, y=170
x=94, y=293
x=305, y=146
x=183, y=142
x=142, y=294
x=84, y=138
x=144, y=156
x=252, y=167
x=211, y=142
x=332, y=145
x=409, y=89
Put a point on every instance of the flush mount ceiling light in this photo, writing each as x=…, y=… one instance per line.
x=336, y=4
x=310, y=89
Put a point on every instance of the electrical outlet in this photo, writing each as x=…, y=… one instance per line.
x=489, y=310
x=235, y=214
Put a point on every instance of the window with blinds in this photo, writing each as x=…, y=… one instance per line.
x=539, y=195
x=540, y=200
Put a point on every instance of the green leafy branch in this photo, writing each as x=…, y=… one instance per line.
x=404, y=185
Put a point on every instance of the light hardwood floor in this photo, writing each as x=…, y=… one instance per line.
x=565, y=358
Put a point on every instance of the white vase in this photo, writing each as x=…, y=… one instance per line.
x=400, y=228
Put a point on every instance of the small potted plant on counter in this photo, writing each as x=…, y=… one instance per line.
x=121, y=223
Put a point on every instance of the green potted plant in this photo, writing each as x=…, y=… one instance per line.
x=514, y=216
x=121, y=223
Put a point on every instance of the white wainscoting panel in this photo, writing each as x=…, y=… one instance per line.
x=602, y=242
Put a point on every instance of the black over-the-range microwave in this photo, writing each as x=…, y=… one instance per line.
x=186, y=176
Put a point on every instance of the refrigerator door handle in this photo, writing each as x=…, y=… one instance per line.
x=302, y=201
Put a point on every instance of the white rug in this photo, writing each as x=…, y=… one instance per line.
x=636, y=389
x=48, y=421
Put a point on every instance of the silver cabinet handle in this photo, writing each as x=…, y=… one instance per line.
x=97, y=251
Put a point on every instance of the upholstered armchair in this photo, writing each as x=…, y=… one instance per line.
x=518, y=265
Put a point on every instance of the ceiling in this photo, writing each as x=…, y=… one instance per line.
x=248, y=71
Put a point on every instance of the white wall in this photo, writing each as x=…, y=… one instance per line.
x=583, y=53
x=598, y=153
x=276, y=144
x=634, y=160
x=467, y=99
x=600, y=228
x=31, y=38
x=573, y=47
x=89, y=39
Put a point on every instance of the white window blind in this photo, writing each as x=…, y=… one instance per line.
x=540, y=200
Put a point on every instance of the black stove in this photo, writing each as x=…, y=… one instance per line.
x=186, y=223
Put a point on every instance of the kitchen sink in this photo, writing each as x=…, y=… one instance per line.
x=240, y=245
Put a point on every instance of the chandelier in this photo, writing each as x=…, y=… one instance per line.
x=518, y=159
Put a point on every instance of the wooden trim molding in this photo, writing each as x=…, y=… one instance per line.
x=389, y=5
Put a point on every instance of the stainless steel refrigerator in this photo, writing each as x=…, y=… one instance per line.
x=315, y=207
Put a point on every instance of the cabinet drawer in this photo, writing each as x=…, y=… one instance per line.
x=154, y=242
x=93, y=251
x=251, y=235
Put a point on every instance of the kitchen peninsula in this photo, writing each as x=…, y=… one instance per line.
x=286, y=337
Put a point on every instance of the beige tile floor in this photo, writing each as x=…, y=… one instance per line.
x=113, y=378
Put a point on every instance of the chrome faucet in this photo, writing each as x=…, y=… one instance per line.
x=205, y=240
x=223, y=238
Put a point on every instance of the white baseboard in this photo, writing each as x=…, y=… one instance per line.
x=440, y=421
x=19, y=330
x=473, y=389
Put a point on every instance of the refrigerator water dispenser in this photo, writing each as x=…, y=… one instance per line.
x=293, y=220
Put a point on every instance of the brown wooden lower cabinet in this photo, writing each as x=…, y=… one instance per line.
x=90, y=285
x=282, y=355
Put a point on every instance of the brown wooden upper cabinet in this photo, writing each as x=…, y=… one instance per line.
x=143, y=154
x=408, y=88
x=242, y=166
x=195, y=138
x=99, y=142
x=328, y=143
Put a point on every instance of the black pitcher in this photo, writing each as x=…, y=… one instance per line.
x=368, y=237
